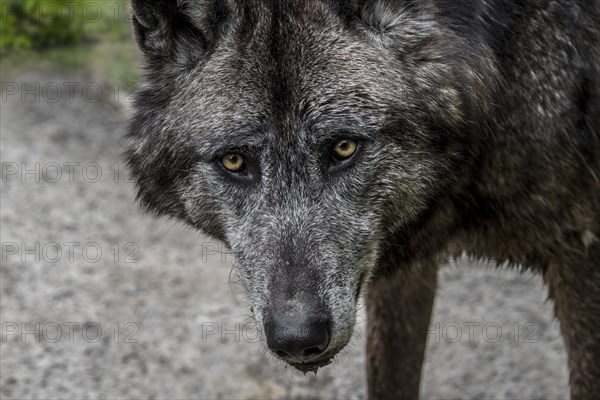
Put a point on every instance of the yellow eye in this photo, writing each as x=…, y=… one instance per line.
x=344, y=149
x=233, y=162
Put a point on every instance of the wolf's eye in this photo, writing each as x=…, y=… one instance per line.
x=343, y=149
x=233, y=162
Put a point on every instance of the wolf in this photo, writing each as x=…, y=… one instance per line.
x=348, y=148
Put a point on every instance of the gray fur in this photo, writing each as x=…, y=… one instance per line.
x=479, y=132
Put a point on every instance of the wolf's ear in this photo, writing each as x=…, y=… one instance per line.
x=179, y=31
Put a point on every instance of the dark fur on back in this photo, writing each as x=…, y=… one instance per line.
x=479, y=132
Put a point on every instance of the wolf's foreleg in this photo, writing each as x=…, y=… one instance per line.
x=575, y=289
x=399, y=306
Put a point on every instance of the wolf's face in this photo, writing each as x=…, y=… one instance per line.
x=303, y=136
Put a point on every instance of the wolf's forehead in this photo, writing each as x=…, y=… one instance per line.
x=284, y=73
x=288, y=48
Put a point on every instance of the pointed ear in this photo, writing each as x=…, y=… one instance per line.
x=177, y=31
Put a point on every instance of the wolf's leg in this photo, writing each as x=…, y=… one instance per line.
x=399, y=308
x=576, y=293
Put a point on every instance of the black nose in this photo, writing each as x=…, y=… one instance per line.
x=297, y=338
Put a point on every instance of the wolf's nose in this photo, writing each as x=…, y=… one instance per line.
x=297, y=338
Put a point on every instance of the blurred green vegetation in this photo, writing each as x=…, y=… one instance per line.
x=91, y=36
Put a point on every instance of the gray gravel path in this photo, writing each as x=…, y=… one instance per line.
x=171, y=325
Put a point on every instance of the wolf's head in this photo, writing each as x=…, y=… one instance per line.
x=303, y=134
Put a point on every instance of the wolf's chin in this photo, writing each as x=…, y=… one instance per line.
x=312, y=366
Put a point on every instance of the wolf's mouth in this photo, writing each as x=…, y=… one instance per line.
x=312, y=366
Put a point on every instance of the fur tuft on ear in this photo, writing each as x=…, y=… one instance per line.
x=177, y=31
x=384, y=15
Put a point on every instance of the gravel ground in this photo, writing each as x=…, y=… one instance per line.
x=113, y=303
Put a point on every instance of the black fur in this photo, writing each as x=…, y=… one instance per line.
x=478, y=131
